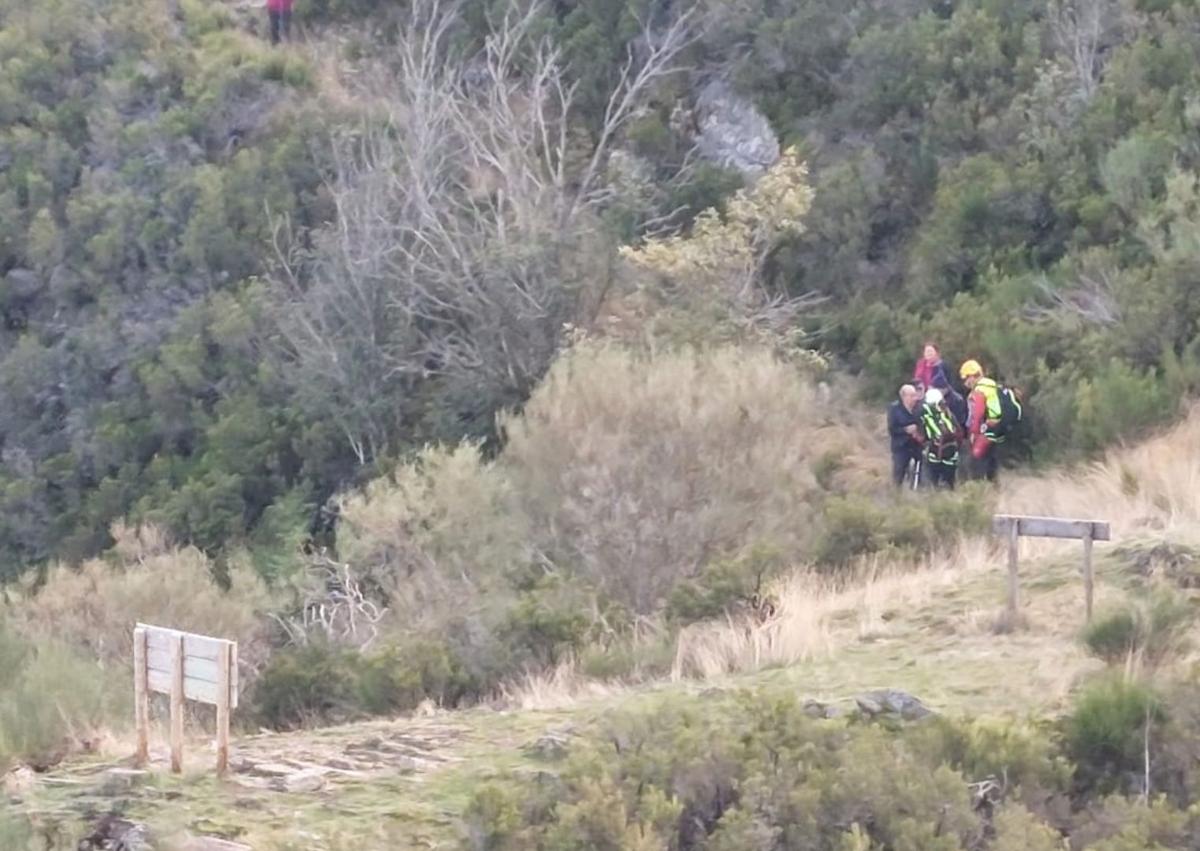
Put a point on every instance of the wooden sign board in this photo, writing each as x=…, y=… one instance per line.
x=185, y=666
x=1051, y=527
x=1012, y=527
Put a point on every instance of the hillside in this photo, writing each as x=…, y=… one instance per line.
x=507, y=380
x=929, y=630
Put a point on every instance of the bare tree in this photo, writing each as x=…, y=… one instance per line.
x=1080, y=28
x=466, y=234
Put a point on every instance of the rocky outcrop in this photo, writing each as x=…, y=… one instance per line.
x=881, y=704
x=732, y=132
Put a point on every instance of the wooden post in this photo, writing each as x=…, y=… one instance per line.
x=177, y=705
x=1014, y=533
x=224, y=664
x=141, y=697
x=1087, y=572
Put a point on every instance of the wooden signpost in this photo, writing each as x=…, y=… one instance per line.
x=186, y=667
x=1013, y=527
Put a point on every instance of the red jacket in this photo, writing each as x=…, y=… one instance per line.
x=931, y=373
x=279, y=5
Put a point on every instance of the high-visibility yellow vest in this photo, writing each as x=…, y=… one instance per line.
x=991, y=395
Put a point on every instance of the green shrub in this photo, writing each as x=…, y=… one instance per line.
x=1018, y=830
x=857, y=525
x=1023, y=754
x=322, y=682
x=1113, y=636
x=53, y=701
x=722, y=585
x=1105, y=734
x=852, y=527
x=1151, y=631
x=544, y=626
x=306, y=685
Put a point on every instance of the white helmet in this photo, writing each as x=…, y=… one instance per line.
x=933, y=396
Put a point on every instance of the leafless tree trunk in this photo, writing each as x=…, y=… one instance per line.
x=1079, y=28
x=466, y=234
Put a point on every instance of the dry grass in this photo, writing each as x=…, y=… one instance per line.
x=817, y=616
x=1152, y=488
x=561, y=687
x=94, y=607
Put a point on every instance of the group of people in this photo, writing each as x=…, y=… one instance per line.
x=932, y=426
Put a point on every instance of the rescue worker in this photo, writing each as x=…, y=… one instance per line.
x=943, y=434
x=904, y=432
x=983, y=416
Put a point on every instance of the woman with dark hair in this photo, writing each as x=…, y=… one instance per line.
x=930, y=372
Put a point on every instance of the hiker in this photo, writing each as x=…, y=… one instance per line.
x=904, y=431
x=930, y=371
x=942, y=433
x=279, y=13
x=993, y=410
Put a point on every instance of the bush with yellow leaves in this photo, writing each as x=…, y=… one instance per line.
x=705, y=286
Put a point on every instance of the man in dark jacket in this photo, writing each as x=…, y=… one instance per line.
x=904, y=432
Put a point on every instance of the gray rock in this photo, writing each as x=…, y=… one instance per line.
x=732, y=132
x=550, y=746
x=112, y=833
x=868, y=707
x=312, y=780
x=815, y=709
x=118, y=781
x=893, y=702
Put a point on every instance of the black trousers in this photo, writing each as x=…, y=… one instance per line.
x=941, y=475
x=900, y=459
x=988, y=466
x=281, y=25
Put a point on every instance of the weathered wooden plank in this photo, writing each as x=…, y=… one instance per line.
x=223, y=706
x=194, y=667
x=1088, y=581
x=1014, y=584
x=197, y=646
x=141, y=697
x=201, y=654
x=177, y=695
x=1051, y=527
x=198, y=690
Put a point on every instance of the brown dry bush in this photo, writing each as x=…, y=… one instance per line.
x=635, y=471
x=436, y=531
x=94, y=607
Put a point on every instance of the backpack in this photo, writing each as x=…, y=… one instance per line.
x=1011, y=410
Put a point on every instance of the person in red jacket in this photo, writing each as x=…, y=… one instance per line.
x=930, y=371
x=279, y=12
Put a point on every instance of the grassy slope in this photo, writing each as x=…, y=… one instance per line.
x=929, y=633
x=403, y=784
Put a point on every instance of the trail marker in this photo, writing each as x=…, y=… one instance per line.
x=187, y=667
x=1013, y=527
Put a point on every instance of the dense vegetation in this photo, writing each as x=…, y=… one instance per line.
x=1016, y=180
x=759, y=772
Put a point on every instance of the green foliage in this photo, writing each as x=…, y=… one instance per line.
x=722, y=585
x=856, y=525
x=1105, y=734
x=1150, y=631
x=53, y=702
x=321, y=682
